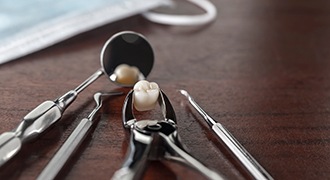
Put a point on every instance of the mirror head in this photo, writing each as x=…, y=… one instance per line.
x=126, y=58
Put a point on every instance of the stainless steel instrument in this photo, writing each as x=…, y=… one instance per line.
x=155, y=140
x=122, y=48
x=73, y=142
x=251, y=165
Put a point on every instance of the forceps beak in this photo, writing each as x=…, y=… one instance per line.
x=167, y=108
x=128, y=115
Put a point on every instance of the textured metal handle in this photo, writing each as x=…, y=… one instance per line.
x=9, y=146
x=33, y=124
x=241, y=154
x=68, y=148
x=38, y=120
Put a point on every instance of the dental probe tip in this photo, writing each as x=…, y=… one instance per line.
x=100, y=94
x=184, y=92
x=206, y=117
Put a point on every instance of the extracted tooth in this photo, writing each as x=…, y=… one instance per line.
x=145, y=96
x=126, y=74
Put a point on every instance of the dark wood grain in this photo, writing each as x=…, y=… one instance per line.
x=262, y=69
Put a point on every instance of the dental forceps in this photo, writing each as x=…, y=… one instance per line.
x=155, y=140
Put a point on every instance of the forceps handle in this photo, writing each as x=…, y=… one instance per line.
x=256, y=170
x=188, y=160
x=136, y=159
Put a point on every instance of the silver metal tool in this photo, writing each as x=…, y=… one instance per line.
x=122, y=48
x=74, y=141
x=155, y=140
x=251, y=165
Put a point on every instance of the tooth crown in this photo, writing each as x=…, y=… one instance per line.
x=126, y=74
x=145, y=95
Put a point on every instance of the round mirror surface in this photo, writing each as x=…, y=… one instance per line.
x=125, y=54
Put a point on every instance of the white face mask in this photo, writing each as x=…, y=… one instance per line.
x=29, y=26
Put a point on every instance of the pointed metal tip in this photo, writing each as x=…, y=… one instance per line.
x=184, y=92
x=98, y=95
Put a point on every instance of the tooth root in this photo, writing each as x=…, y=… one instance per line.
x=127, y=74
x=145, y=95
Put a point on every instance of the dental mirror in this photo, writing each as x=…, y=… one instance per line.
x=125, y=58
x=125, y=66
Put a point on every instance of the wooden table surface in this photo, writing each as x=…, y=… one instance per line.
x=262, y=69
